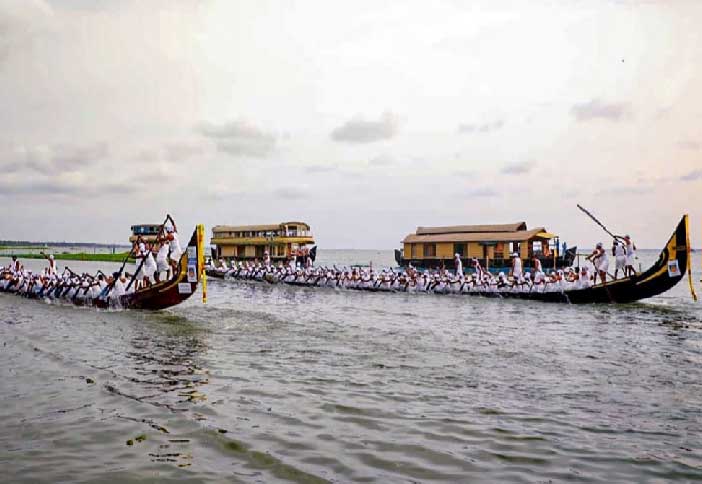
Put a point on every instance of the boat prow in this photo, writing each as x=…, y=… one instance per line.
x=666, y=272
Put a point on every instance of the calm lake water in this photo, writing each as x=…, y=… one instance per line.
x=282, y=384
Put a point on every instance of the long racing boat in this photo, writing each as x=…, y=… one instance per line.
x=671, y=266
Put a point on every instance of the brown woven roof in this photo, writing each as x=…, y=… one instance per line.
x=464, y=229
x=245, y=228
x=255, y=228
x=514, y=236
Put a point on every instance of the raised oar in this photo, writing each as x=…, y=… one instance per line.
x=598, y=222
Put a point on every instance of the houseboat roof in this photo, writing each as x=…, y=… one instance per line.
x=145, y=225
x=255, y=228
x=485, y=236
x=468, y=229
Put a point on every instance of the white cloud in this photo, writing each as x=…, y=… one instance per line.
x=360, y=130
x=694, y=175
x=467, y=128
x=518, y=168
x=596, y=109
x=240, y=138
x=293, y=192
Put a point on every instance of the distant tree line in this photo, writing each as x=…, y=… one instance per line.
x=24, y=243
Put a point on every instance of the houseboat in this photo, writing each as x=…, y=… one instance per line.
x=247, y=242
x=492, y=245
x=148, y=232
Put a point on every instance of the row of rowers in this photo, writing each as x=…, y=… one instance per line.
x=441, y=281
x=69, y=285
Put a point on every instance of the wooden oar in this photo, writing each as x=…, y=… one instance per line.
x=598, y=222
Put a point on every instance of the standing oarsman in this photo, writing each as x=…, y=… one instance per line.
x=162, y=258
x=459, y=265
x=479, y=271
x=176, y=249
x=52, y=264
x=16, y=265
x=538, y=271
x=629, y=270
x=601, y=262
x=516, y=267
x=619, y=253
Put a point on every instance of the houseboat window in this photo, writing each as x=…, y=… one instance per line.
x=459, y=249
x=499, y=250
x=429, y=250
x=413, y=250
x=537, y=248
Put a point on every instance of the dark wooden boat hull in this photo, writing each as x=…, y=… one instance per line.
x=175, y=290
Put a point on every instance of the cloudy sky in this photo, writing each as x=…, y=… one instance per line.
x=365, y=119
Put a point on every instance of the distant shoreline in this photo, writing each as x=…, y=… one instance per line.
x=79, y=256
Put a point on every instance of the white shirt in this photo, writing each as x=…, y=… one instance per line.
x=176, y=250
x=517, y=267
x=163, y=252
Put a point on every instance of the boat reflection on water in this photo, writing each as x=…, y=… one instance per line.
x=163, y=368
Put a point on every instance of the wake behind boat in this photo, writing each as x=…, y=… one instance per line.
x=569, y=286
x=119, y=290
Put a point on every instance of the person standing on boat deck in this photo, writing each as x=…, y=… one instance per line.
x=619, y=254
x=162, y=259
x=52, y=264
x=149, y=263
x=479, y=271
x=459, y=265
x=516, y=267
x=601, y=262
x=16, y=265
x=538, y=271
x=140, y=256
x=267, y=259
x=629, y=270
x=176, y=249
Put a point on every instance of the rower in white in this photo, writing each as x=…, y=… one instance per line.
x=516, y=266
x=601, y=262
x=162, y=259
x=629, y=270
x=52, y=264
x=619, y=253
x=459, y=265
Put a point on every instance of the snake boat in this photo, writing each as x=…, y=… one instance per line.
x=173, y=291
x=670, y=268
